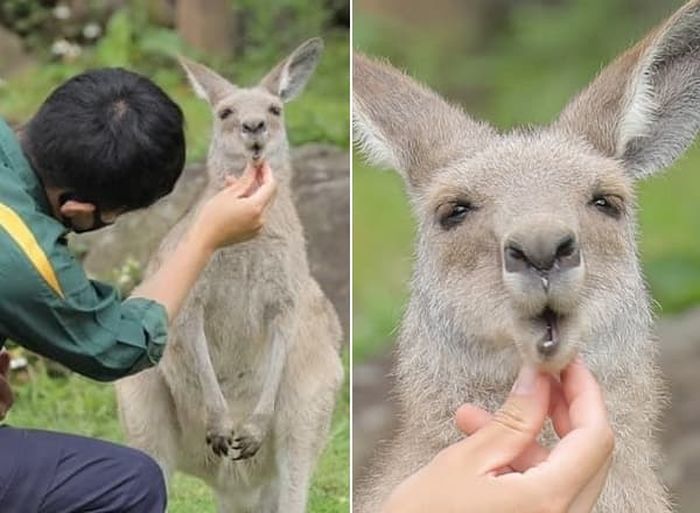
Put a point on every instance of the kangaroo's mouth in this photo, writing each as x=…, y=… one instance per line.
x=549, y=343
x=256, y=151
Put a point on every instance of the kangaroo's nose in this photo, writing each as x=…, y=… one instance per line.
x=253, y=126
x=541, y=250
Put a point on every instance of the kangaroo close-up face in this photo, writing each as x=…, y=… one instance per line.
x=527, y=239
x=539, y=228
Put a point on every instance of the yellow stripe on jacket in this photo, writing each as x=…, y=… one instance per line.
x=25, y=239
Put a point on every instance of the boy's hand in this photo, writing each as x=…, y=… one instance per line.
x=236, y=214
x=500, y=467
x=6, y=395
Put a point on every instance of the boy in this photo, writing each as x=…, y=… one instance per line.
x=104, y=143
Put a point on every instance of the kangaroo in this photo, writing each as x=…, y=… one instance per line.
x=526, y=251
x=244, y=393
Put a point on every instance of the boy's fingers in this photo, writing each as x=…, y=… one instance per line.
x=243, y=183
x=515, y=426
x=587, y=499
x=586, y=449
x=264, y=173
x=470, y=419
x=267, y=187
x=559, y=409
x=584, y=396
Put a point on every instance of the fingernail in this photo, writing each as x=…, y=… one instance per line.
x=525, y=384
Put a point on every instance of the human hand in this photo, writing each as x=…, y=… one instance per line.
x=236, y=213
x=501, y=468
x=6, y=395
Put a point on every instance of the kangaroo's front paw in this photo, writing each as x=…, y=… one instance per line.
x=220, y=441
x=249, y=437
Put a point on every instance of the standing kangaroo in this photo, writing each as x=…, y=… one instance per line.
x=252, y=365
x=526, y=251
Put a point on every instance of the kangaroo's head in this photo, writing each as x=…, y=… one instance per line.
x=527, y=239
x=249, y=121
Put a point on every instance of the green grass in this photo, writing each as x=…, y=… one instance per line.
x=77, y=405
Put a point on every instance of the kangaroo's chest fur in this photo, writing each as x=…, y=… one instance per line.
x=243, y=289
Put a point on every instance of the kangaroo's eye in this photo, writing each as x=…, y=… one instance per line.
x=224, y=113
x=452, y=214
x=608, y=204
x=275, y=110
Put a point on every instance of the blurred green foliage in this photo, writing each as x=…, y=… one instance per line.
x=290, y=20
x=24, y=16
x=321, y=114
x=524, y=72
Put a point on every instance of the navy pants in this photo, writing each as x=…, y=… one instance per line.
x=45, y=472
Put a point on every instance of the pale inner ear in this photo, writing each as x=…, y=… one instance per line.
x=294, y=77
x=638, y=115
x=370, y=141
x=207, y=84
x=196, y=86
x=288, y=78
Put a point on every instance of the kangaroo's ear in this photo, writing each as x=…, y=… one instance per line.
x=644, y=108
x=289, y=77
x=208, y=84
x=400, y=124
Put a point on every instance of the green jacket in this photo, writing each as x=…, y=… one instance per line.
x=47, y=303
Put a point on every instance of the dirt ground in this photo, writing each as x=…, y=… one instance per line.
x=679, y=339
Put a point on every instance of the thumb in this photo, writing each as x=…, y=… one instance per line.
x=515, y=425
x=267, y=187
x=241, y=185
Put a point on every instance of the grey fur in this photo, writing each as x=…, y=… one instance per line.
x=469, y=323
x=252, y=366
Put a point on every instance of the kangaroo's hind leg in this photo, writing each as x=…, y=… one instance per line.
x=262, y=500
x=301, y=433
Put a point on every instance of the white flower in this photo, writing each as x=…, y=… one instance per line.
x=66, y=49
x=92, y=31
x=61, y=12
x=60, y=47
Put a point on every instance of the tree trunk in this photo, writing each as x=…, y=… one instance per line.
x=207, y=25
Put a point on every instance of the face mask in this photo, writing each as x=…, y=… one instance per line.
x=97, y=221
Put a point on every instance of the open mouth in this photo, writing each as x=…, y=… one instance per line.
x=550, y=341
x=256, y=151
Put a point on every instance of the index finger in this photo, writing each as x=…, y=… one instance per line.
x=580, y=455
x=267, y=188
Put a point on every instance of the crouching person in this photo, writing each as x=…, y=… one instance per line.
x=104, y=143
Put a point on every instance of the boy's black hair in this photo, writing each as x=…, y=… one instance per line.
x=110, y=136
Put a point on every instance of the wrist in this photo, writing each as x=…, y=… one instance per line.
x=198, y=238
